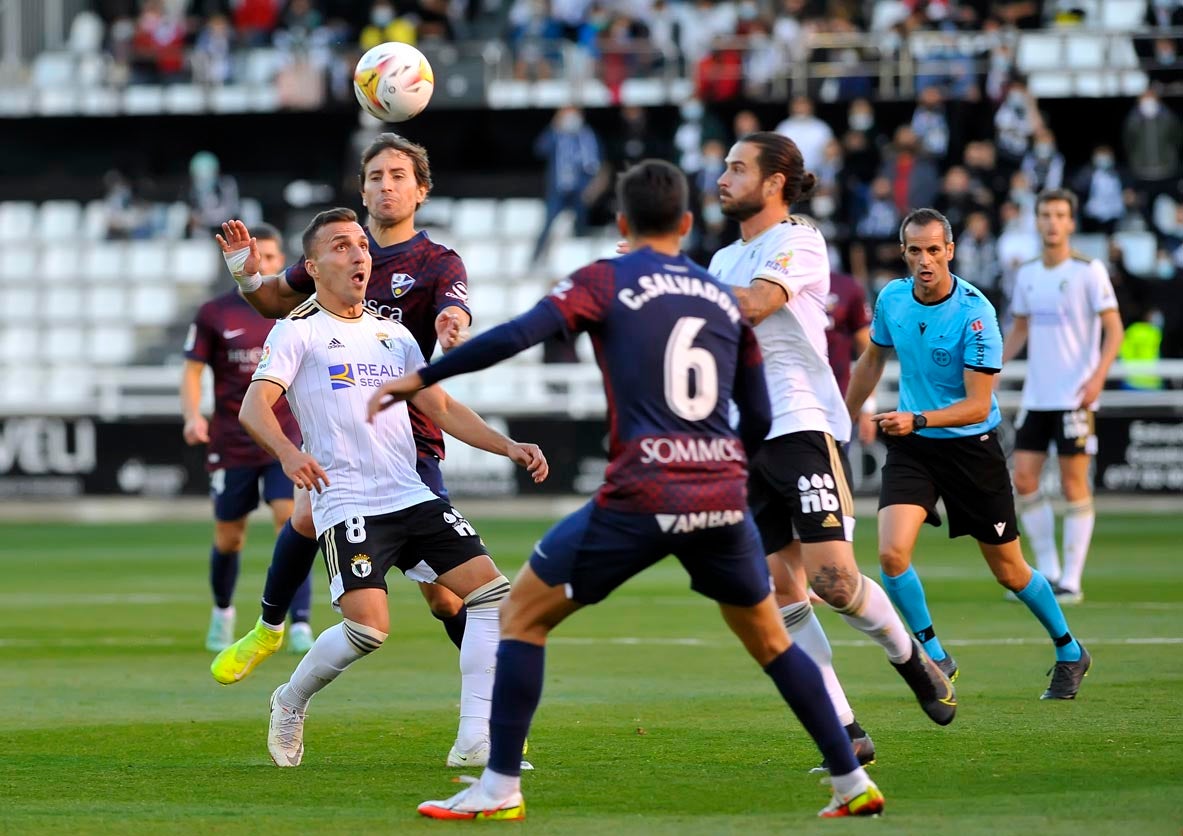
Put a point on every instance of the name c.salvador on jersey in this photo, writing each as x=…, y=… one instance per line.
x=663, y=284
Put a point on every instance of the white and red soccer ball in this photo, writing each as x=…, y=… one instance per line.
x=393, y=82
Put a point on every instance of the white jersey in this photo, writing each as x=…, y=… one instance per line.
x=801, y=384
x=1063, y=306
x=330, y=366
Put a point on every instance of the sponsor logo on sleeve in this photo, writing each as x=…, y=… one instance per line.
x=780, y=262
x=265, y=360
x=459, y=291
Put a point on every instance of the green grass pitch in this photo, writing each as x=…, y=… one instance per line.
x=653, y=720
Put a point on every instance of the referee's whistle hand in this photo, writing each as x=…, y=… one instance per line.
x=894, y=423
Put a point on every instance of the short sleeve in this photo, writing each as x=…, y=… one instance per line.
x=451, y=282
x=983, y=342
x=283, y=352
x=795, y=260
x=413, y=360
x=199, y=342
x=1101, y=295
x=1020, y=305
x=298, y=279
x=584, y=297
x=880, y=333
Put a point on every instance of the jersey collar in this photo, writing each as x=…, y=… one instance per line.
x=941, y=301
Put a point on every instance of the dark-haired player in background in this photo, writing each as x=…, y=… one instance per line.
x=228, y=335
x=414, y=281
x=848, y=333
x=674, y=350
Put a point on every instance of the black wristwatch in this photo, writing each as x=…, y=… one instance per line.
x=919, y=422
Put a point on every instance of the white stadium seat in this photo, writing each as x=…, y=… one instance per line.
x=522, y=218
x=195, y=262
x=482, y=259
x=94, y=221
x=106, y=262
x=22, y=304
x=106, y=303
x=70, y=385
x=63, y=343
x=59, y=220
x=18, y=220
x=153, y=304
x=1038, y=51
x=18, y=265
x=18, y=342
x=18, y=383
x=568, y=256
x=58, y=303
x=515, y=258
x=1093, y=245
x=111, y=344
x=184, y=98
x=1122, y=14
x=143, y=99
x=53, y=70
x=147, y=261
x=61, y=262
x=1139, y=251
x=475, y=218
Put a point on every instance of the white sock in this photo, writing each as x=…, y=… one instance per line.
x=1078, y=534
x=807, y=632
x=851, y=784
x=1039, y=524
x=498, y=786
x=478, y=661
x=225, y=612
x=333, y=651
x=871, y=613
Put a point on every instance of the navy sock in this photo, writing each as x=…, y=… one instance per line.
x=301, y=608
x=223, y=575
x=800, y=683
x=907, y=593
x=454, y=625
x=291, y=561
x=1041, y=600
x=517, y=688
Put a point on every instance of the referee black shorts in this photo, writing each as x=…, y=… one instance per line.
x=968, y=473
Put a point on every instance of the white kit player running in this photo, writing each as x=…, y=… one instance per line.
x=797, y=490
x=371, y=510
x=1063, y=302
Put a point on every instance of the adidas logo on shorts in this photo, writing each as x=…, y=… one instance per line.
x=830, y=522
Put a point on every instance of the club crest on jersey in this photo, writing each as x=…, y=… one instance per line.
x=401, y=284
x=361, y=566
x=386, y=340
x=341, y=376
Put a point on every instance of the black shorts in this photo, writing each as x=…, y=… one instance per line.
x=1073, y=430
x=968, y=473
x=423, y=541
x=595, y=550
x=798, y=490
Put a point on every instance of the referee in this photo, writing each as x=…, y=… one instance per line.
x=943, y=442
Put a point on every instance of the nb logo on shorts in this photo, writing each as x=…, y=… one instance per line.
x=460, y=525
x=1076, y=425
x=361, y=566
x=817, y=494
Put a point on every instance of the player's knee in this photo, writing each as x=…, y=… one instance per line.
x=364, y=638
x=442, y=603
x=301, y=520
x=230, y=538
x=893, y=559
x=836, y=585
x=1026, y=483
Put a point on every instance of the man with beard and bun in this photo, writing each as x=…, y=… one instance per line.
x=414, y=281
x=780, y=271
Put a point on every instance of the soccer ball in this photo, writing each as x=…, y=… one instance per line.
x=393, y=82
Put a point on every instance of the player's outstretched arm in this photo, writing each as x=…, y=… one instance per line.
x=451, y=328
x=865, y=377
x=761, y=300
x=459, y=421
x=196, y=429
x=257, y=416
x=271, y=296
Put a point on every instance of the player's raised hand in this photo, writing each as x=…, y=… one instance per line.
x=391, y=392
x=235, y=236
x=450, y=329
x=304, y=471
x=530, y=457
x=894, y=423
x=196, y=431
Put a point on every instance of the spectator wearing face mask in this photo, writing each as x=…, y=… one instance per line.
x=809, y=132
x=1153, y=139
x=572, y=155
x=385, y=26
x=697, y=128
x=1101, y=187
x=930, y=123
x=1015, y=122
x=1044, y=164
